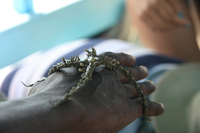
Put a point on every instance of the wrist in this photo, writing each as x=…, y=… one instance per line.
x=62, y=118
x=36, y=114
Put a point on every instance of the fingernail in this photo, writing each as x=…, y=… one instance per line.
x=162, y=105
x=152, y=83
x=133, y=57
x=188, y=25
x=180, y=15
x=143, y=69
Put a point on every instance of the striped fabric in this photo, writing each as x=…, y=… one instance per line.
x=37, y=65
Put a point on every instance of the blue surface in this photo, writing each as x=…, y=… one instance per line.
x=23, y=6
x=81, y=19
x=180, y=15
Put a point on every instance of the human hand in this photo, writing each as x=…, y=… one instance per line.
x=107, y=103
x=159, y=15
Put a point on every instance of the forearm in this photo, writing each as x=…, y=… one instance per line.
x=179, y=43
x=35, y=114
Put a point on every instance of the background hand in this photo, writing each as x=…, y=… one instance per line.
x=159, y=14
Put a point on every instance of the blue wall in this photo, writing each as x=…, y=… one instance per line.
x=81, y=19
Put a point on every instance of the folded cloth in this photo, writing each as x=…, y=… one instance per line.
x=179, y=91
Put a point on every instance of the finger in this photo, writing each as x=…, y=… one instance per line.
x=154, y=109
x=181, y=20
x=137, y=72
x=147, y=87
x=161, y=15
x=150, y=23
x=156, y=12
x=166, y=10
x=167, y=14
x=175, y=4
x=158, y=19
x=179, y=8
x=124, y=59
x=165, y=17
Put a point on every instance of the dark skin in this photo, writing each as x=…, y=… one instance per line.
x=105, y=105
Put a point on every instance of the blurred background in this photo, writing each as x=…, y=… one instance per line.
x=15, y=12
x=28, y=26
